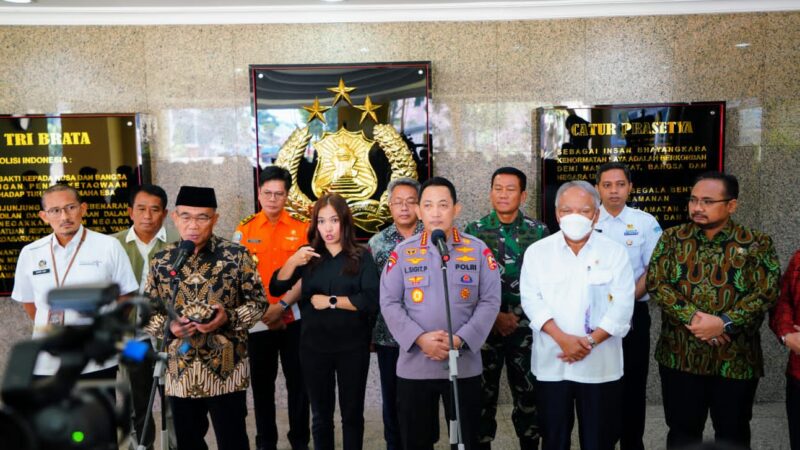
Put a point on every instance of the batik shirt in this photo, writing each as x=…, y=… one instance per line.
x=509, y=241
x=381, y=246
x=736, y=273
x=221, y=273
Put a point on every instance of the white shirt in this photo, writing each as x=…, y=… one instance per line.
x=593, y=288
x=144, y=250
x=637, y=230
x=101, y=259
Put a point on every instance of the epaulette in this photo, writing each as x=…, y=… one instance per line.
x=248, y=219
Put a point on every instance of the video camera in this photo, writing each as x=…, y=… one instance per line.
x=56, y=412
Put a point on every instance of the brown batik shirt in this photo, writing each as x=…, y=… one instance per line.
x=221, y=273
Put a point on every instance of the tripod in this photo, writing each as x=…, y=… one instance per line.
x=159, y=373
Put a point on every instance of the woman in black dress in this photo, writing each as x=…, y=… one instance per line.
x=339, y=291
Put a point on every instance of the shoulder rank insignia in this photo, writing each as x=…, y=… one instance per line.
x=248, y=219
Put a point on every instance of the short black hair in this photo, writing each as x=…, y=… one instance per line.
x=729, y=181
x=61, y=186
x=523, y=180
x=271, y=173
x=151, y=189
x=439, y=181
x=613, y=165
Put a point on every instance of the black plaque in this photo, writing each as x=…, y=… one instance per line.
x=97, y=154
x=666, y=146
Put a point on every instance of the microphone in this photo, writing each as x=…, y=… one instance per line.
x=185, y=249
x=438, y=239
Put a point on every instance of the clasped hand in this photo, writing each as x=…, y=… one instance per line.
x=435, y=344
x=709, y=329
x=183, y=327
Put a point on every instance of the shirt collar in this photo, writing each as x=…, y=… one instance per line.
x=161, y=235
x=605, y=215
x=563, y=242
x=394, y=235
x=723, y=234
x=495, y=223
x=284, y=218
x=72, y=242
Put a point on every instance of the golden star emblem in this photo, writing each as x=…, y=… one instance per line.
x=316, y=111
x=342, y=92
x=369, y=109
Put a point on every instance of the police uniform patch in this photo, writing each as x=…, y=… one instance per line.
x=465, y=258
x=423, y=251
x=464, y=249
x=417, y=295
x=411, y=251
x=415, y=280
x=415, y=260
x=465, y=293
x=466, y=278
x=392, y=262
x=631, y=231
x=490, y=259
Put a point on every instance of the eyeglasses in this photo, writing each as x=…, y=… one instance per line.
x=56, y=212
x=202, y=219
x=706, y=202
x=273, y=195
x=410, y=203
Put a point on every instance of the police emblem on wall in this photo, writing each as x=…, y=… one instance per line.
x=348, y=130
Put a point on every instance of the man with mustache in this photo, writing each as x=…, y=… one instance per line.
x=714, y=280
x=71, y=255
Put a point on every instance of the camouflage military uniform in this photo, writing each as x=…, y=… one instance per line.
x=509, y=242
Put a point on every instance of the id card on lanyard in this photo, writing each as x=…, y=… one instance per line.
x=57, y=317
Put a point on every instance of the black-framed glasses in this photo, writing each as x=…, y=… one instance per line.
x=705, y=201
x=69, y=209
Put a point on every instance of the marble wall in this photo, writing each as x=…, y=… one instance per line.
x=488, y=77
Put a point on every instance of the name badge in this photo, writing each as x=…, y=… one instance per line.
x=254, y=241
x=39, y=272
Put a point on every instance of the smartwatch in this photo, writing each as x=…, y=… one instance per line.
x=284, y=305
x=333, y=300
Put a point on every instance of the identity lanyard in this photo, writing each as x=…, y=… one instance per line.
x=60, y=283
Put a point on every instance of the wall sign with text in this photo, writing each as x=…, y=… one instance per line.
x=666, y=146
x=99, y=155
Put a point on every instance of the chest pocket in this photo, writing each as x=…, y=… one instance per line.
x=467, y=286
x=599, y=295
x=416, y=280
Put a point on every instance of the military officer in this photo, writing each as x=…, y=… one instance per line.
x=412, y=304
x=508, y=233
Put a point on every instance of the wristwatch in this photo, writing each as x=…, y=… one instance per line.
x=727, y=324
x=284, y=305
x=333, y=300
x=783, y=339
x=591, y=341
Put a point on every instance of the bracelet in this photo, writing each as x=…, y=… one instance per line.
x=591, y=341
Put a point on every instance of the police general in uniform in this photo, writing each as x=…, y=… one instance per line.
x=508, y=233
x=412, y=304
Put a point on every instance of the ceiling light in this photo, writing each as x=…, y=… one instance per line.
x=332, y=1
x=18, y=1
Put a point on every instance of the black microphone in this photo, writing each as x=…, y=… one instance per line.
x=185, y=250
x=440, y=241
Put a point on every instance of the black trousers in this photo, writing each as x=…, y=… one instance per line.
x=597, y=407
x=322, y=373
x=264, y=349
x=688, y=398
x=387, y=363
x=418, y=411
x=228, y=414
x=793, y=411
x=636, y=355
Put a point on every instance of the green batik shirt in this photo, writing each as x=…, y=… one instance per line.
x=508, y=242
x=736, y=273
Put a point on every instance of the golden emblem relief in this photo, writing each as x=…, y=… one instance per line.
x=343, y=165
